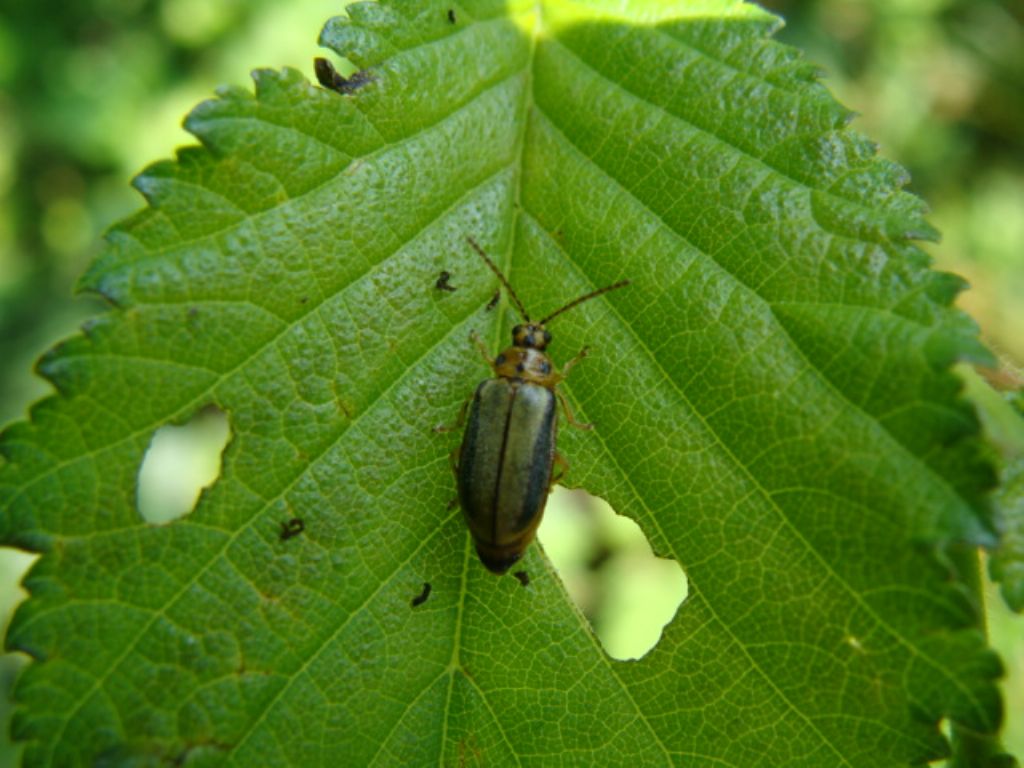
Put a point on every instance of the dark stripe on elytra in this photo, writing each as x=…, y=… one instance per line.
x=467, y=455
x=501, y=464
x=539, y=471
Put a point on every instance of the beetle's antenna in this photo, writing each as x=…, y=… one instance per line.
x=504, y=281
x=581, y=299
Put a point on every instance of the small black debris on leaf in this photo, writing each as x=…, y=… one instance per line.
x=421, y=598
x=442, y=283
x=493, y=302
x=292, y=528
x=451, y=15
x=524, y=578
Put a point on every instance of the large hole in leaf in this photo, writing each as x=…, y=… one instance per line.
x=179, y=463
x=610, y=571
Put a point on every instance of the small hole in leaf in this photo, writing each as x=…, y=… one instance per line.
x=179, y=463
x=946, y=729
x=609, y=570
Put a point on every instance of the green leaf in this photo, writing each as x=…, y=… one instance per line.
x=772, y=396
x=1003, y=420
x=1008, y=562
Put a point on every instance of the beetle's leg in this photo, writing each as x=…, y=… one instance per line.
x=563, y=470
x=568, y=366
x=458, y=422
x=483, y=349
x=568, y=413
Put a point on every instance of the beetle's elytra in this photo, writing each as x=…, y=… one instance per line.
x=507, y=455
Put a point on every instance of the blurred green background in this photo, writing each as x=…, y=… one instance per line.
x=92, y=91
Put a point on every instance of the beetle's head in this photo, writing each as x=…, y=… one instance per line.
x=531, y=336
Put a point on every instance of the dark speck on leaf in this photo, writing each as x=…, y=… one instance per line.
x=524, y=578
x=421, y=598
x=292, y=528
x=494, y=301
x=451, y=15
x=442, y=283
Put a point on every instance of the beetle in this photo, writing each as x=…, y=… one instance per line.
x=507, y=455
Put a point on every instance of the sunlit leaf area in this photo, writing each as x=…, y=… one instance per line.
x=93, y=94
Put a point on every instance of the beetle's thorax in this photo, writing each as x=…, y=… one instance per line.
x=526, y=364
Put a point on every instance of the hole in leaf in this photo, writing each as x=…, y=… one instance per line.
x=179, y=463
x=946, y=729
x=14, y=564
x=610, y=572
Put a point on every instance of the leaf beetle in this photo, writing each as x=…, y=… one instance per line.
x=504, y=465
